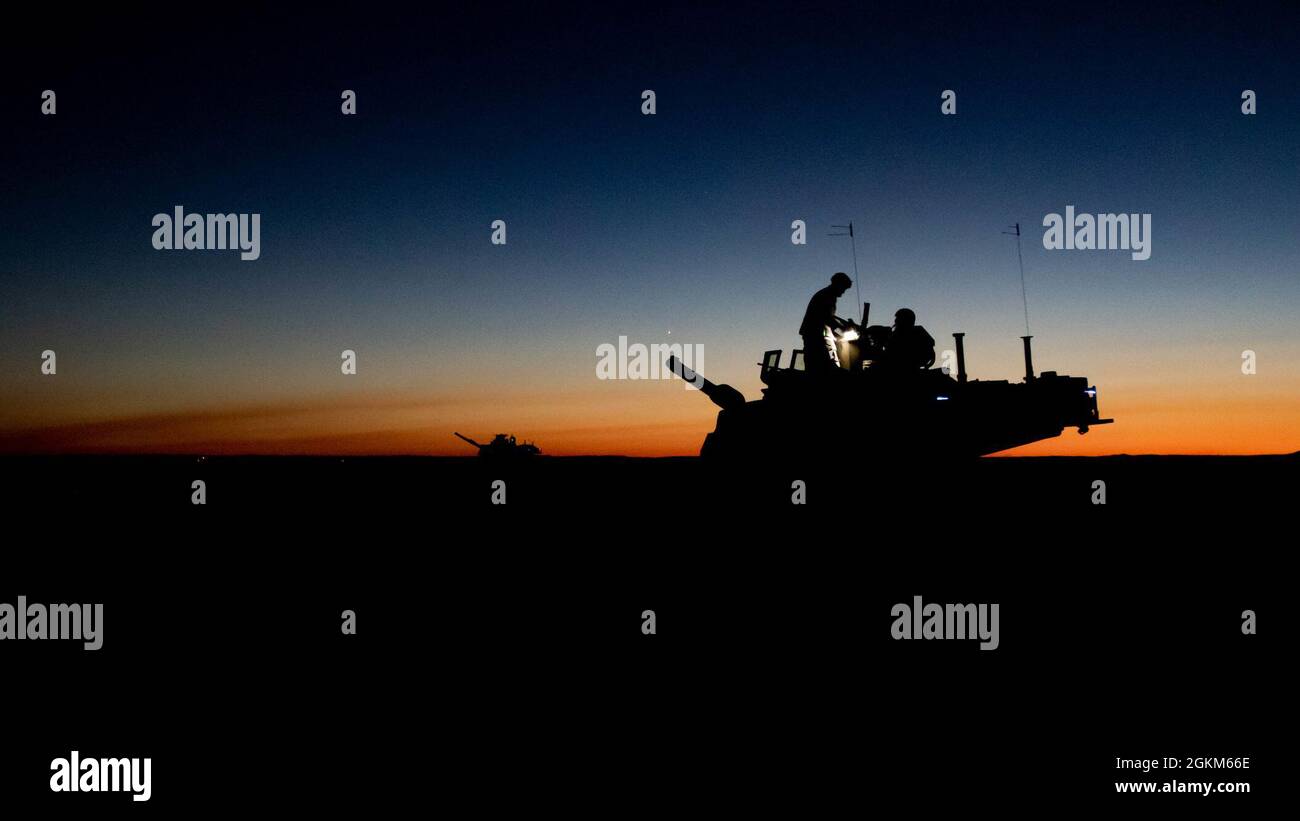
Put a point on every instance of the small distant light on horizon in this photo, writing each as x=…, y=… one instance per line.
x=942, y=398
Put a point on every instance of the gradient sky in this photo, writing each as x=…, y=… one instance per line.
x=668, y=228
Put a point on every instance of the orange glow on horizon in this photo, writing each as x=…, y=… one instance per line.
x=655, y=423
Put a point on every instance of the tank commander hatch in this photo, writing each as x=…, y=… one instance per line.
x=820, y=323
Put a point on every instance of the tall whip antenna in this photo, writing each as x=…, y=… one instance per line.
x=1021, y=259
x=857, y=280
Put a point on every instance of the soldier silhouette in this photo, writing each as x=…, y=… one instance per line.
x=910, y=346
x=819, y=326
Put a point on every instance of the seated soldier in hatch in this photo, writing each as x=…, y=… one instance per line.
x=909, y=347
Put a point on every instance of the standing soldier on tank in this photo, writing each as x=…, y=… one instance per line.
x=819, y=326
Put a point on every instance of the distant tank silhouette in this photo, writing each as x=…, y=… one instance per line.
x=503, y=446
x=866, y=411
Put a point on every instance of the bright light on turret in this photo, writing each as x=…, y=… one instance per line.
x=850, y=335
x=1092, y=392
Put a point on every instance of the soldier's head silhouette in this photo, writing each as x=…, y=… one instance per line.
x=904, y=318
x=841, y=282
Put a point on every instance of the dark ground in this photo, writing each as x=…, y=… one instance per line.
x=499, y=658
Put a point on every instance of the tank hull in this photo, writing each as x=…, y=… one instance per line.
x=926, y=414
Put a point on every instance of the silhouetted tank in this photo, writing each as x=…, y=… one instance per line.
x=503, y=446
x=864, y=411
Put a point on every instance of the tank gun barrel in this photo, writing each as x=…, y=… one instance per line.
x=471, y=441
x=724, y=396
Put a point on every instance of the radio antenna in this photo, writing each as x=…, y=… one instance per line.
x=1014, y=230
x=857, y=280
